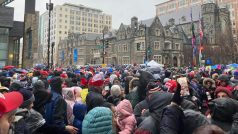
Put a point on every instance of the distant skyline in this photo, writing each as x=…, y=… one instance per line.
x=121, y=10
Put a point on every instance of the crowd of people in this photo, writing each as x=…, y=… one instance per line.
x=119, y=100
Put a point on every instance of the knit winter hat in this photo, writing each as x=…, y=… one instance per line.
x=64, y=76
x=223, y=89
x=115, y=90
x=236, y=73
x=10, y=101
x=98, y=120
x=28, y=98
x=97, y=80
x=171, y=85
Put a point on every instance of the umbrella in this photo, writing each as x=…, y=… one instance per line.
x=21, y=71
x=8, y=67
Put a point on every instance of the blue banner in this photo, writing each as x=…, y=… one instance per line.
x=75, y=55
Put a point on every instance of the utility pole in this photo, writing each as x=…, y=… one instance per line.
x=103, y=47
x=49, y=6
x=146, y=49
x=52, y=54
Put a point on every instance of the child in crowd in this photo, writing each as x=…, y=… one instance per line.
x=126, y=120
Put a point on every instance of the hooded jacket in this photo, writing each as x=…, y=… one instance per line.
x=193, y=120
x=41, y=97
x=172, y=120
x=144, y=79
x=98, y=121
x=152, y=123
x=79, y=111
x=126, y=119
x=222, y=110
x=133, y=96
x=70, y=99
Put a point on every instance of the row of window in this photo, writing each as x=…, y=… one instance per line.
x=126, y=59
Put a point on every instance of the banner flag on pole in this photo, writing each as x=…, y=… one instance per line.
x=75, y=55
x=193, y=40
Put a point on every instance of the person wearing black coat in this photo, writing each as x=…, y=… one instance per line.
x=172, y=116
x=151, y=124
x=222, y=112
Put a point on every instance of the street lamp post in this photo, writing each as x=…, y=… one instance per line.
x=49, y=6
x=52, y=55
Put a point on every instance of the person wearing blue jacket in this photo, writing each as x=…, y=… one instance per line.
x=79, y=111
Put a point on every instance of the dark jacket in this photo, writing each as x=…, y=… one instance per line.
x=222, y=111
x=152, y=123
x=193, y=120
x=56, y=110
x=133, y=97
x=41, y=97
x=138, y=109
x=172, y=120
x=79, y=111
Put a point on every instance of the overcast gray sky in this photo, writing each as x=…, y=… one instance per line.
x=121, y=10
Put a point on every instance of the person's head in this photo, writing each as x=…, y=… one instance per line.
x=235, y=74
x=56, y=84
x=93, y=100
x=36, y=73
x=5, y=82
x=209, y=129
x=116, y=81
x=221, y=92
x=9, y=102
x=97, y=83
x=116, y=91
x=99, y=118
x=215, y=76
x=124, y=109
x=44, y=74
x=39, y=85
x=224, y=79
x=28, y=98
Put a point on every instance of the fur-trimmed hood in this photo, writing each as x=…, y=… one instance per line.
x=209, y=80
x=131, y=82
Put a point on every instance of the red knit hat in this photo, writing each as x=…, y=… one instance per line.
x=97, y=80
x=83, y=82
x=171, y=85
x=10, y=101
x=223, y=89
x=44, y=73
x=64, y=75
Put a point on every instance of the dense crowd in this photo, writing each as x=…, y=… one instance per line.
x=119, y=100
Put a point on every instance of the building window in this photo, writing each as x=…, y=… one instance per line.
x=66, y=16
x=125, y=60
x=177, y=46
x=167, y=45
x=157, y=32
x=158, y=58
x=125, y=48
x=156, y=45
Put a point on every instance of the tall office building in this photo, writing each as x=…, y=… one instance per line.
x=71, y=18
x=175, y=5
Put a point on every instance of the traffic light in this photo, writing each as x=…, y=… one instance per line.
x=107, y=44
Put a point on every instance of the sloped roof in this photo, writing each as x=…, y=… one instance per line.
x=92, y=36
x=177, y=15
x=147, y=22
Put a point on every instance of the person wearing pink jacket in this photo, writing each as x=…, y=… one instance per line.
x=126, y=120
